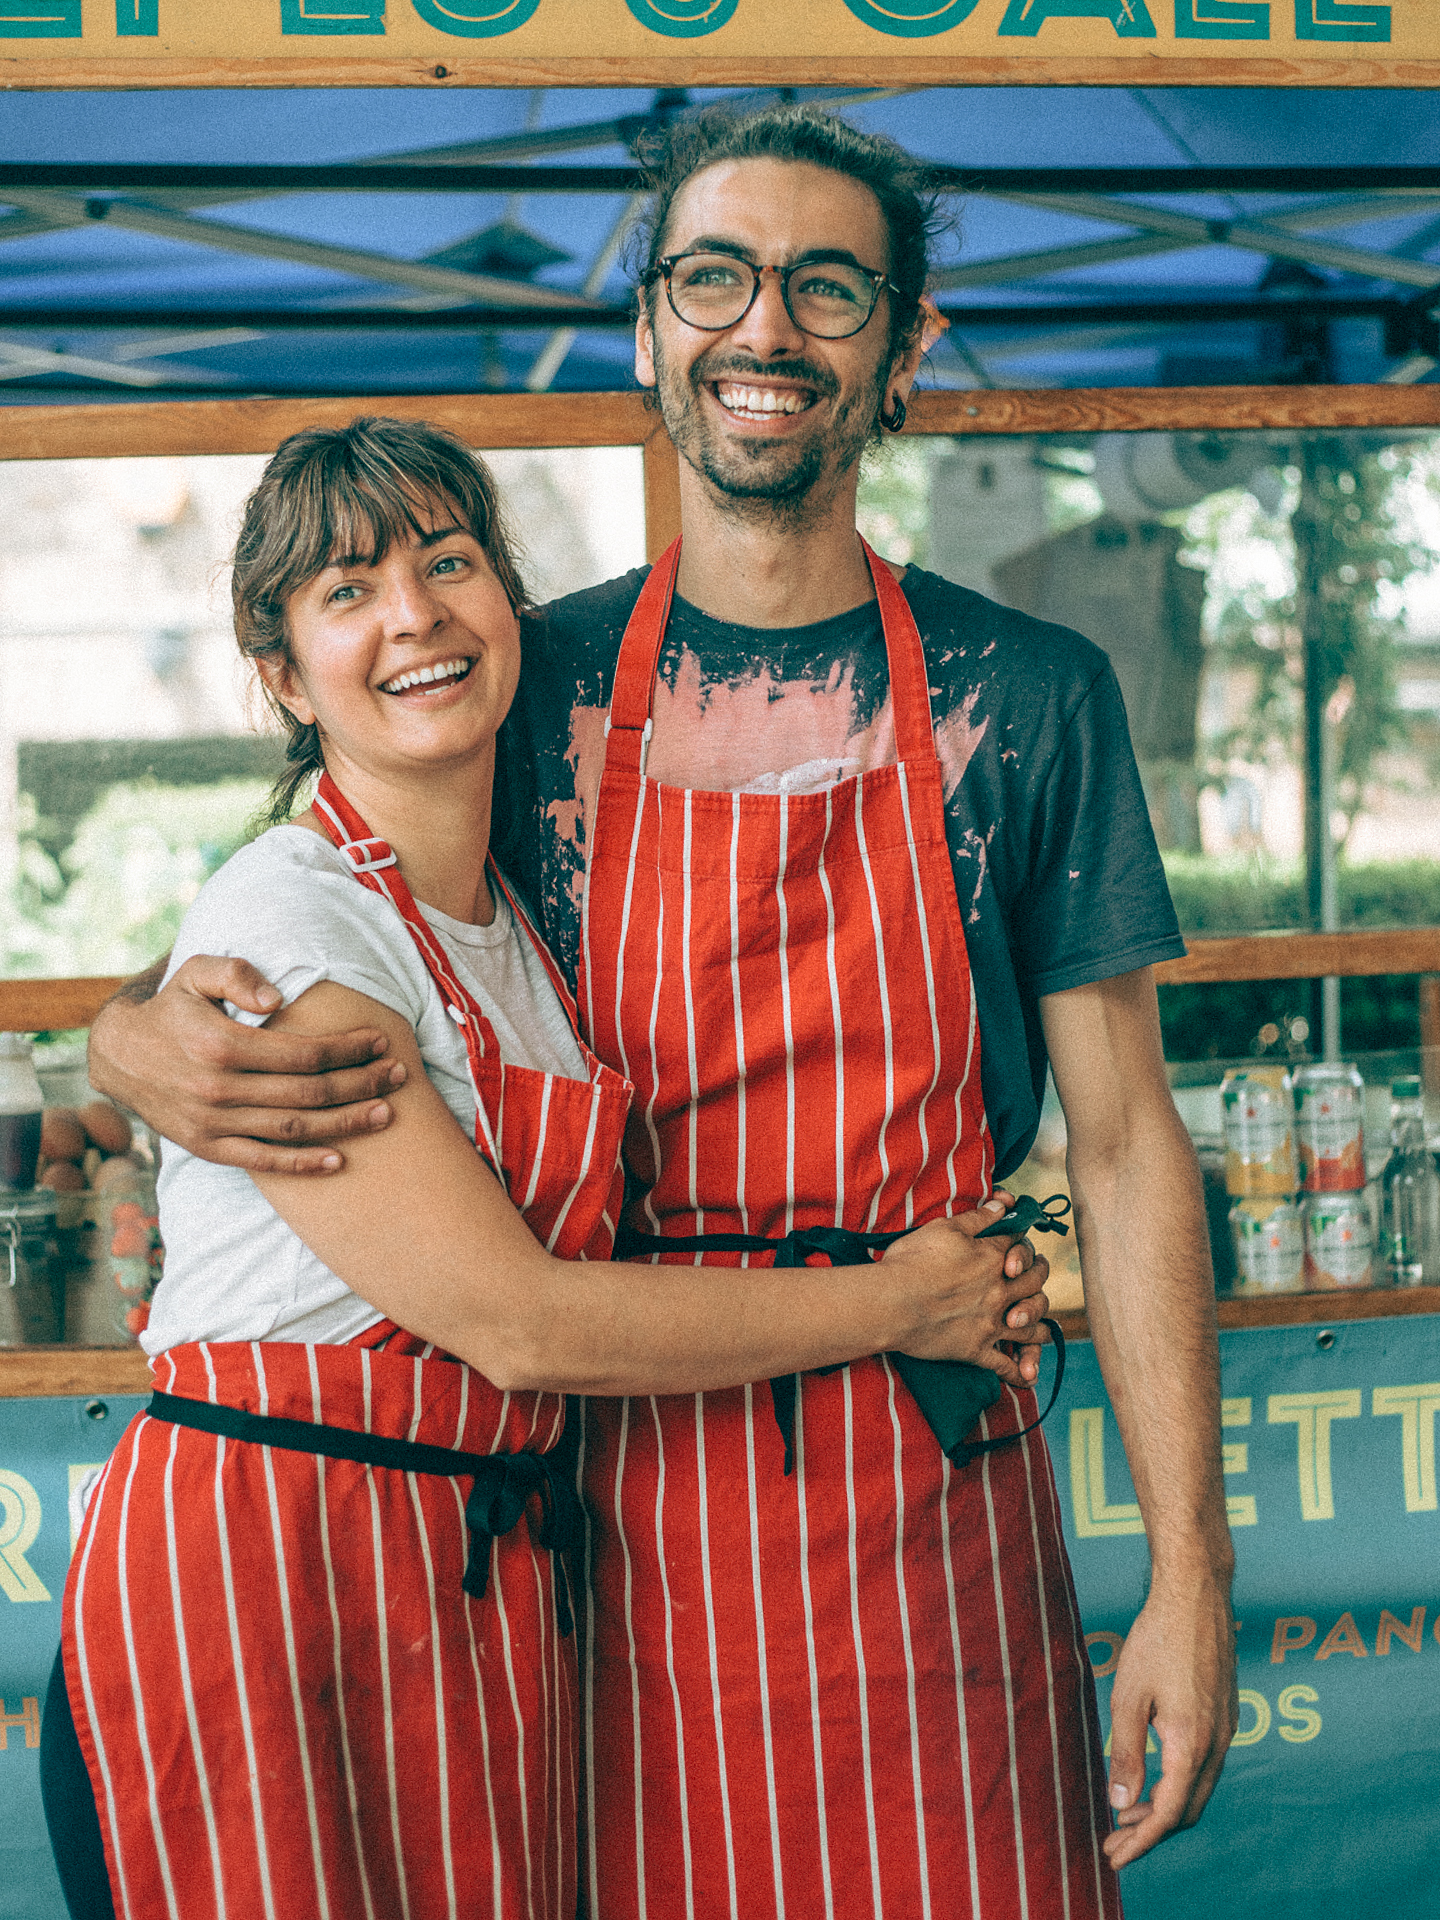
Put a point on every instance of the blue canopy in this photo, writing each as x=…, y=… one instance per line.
x=1233, y=235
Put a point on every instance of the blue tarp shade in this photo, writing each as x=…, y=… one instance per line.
x=1201, y=282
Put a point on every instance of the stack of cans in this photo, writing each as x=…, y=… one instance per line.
x=1339, y=1229
x=1295, y=1173
x=1261, y=1177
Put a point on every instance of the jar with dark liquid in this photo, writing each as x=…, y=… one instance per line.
x=21, y=1114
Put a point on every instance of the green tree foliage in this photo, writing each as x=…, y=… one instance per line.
x=115, y=900
x=1339, y=550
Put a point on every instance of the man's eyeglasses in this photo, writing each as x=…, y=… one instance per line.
x=830, y=299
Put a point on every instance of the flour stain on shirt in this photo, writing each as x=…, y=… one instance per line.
x=977, y=847
x=957, y=735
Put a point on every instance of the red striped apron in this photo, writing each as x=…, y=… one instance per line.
x=288, y=1706
x=861, y=1689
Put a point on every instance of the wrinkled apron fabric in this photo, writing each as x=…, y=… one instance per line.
x=289, y=1704
x=861, y=1689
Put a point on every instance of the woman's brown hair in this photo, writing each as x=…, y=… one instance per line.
x=342, y=491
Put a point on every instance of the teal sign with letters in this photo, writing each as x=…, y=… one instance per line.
x=1332, y=1789
x=569, y=29
x=1331, y=1792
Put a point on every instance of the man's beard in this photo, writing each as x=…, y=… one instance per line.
x=765, y=479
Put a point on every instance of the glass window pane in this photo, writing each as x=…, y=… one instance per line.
x=134, y=753
x=1210, y=567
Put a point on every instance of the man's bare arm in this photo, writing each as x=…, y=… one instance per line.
x=1150, y=1296
x=238, y=1095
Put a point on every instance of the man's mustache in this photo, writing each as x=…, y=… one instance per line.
x=718, y=365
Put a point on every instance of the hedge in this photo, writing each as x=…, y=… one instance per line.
x=1235, y=896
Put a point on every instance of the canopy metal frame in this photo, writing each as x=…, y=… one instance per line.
x=172, y=202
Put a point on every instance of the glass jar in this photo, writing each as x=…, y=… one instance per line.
x=32, y=1299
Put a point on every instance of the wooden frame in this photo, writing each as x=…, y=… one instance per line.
x=622, y=419
x=886, y=67
x=1304, y=956
x=258, y=426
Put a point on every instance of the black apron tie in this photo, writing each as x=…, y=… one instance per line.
x=951, y=1394
x=503, y=1482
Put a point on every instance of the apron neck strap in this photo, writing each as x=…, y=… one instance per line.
x=375, y=866
x=905, y=651
x=630, y=724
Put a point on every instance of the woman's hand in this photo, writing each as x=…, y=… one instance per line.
x=974, y=1299
x=223, y=1090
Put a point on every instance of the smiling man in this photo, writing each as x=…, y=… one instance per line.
x=838, y=863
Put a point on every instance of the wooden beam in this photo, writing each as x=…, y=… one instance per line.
x=662, y=493
x=620, y=419
x=1299, y=1309
x=258, y=426
x=40, y=1006
x=1305, y=956
x=31, y=1372
x=902, y=68
x=36, y=1372
x=1170, y=409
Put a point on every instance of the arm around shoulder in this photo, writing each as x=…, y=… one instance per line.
x=229, y=1093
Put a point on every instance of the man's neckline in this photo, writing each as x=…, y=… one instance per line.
x=870, y=607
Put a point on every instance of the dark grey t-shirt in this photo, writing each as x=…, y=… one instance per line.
x=1056, y=868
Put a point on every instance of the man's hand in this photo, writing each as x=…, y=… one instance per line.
x=237, y=1095
x=1177, y=1673
x=976, y=1299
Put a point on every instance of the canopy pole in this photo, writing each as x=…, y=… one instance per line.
x=1321, y=889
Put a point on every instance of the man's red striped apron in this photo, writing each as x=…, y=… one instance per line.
x=861, y=1689
x=288, y=1706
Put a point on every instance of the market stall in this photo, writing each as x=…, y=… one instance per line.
x=1330, y=1397
x=1334, y=1522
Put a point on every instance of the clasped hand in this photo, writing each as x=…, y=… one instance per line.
x=976, y=1300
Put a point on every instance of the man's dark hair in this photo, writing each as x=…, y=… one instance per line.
x=908, y=193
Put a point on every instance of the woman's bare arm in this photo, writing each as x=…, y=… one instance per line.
x=417, y=1225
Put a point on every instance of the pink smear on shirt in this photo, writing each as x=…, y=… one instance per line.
x=758, y=735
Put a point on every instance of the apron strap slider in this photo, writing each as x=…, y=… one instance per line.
x=368, y=855
x=644, y=732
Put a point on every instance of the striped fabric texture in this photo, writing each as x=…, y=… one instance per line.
x=862, y=1689
x=288, y=1706
x=554, y=1142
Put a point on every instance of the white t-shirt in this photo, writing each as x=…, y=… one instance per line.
x=290, y=904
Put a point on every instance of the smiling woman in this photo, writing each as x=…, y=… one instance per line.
x=375, y=590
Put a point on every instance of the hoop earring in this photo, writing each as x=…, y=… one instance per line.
x=895, y=419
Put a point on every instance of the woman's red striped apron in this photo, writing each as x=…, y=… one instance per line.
x=861, y=1689
x=288, y=1706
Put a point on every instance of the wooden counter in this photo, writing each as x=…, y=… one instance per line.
x=1297, y=1309
x=95, y=1371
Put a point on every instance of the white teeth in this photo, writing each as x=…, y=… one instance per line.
x=761, y=400
x=426, y=676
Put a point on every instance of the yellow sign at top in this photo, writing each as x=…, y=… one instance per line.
x=729, y=42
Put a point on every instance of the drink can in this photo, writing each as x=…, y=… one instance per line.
x=1269, y=1246
x=1330, y=1127
x=1259, y=1113
x=1339, y=1242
